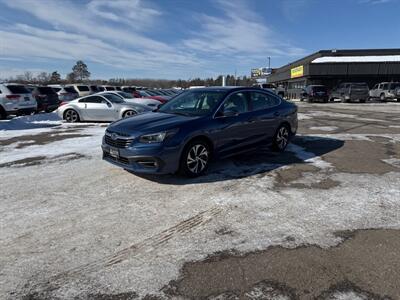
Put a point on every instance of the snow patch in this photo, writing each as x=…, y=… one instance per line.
x=325, y=128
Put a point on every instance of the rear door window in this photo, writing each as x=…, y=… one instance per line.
x=261, y=101
x=83, y=88
x=17, y=89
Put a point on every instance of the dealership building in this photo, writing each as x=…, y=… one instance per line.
x=332, y=67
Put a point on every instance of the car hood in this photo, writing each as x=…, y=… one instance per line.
x=150, y=122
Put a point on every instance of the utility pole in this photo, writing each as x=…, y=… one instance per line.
x=269, y=62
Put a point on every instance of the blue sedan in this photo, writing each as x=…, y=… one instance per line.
x=199, y=125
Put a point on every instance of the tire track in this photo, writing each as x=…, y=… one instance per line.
x=147, y=245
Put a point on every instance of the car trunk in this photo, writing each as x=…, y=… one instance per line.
x=20, y=95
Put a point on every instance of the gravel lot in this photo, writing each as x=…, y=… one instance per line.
x=320, y=220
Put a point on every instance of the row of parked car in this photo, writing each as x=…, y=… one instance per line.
x=18, y=99
x=352, y=91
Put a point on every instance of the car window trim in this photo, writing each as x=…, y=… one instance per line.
x=239, y=91
x=274, y=96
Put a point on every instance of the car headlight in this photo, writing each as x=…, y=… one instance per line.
x=156, y=137
x=153, y=138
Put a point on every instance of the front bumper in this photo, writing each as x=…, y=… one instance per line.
x=144, y=159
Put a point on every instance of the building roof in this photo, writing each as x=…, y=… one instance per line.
x=354, y=59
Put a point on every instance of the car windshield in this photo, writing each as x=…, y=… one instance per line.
x=193, y=103
x=113, y=98
x=394, y=86
x=125, y=95
x=319, y=89
x=359, y=86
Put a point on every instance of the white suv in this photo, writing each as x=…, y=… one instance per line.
x=15, y=99
x=81, y=89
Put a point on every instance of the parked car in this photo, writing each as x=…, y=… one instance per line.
x=128, y=89
x=46, y=98
x=313, y=93
x=104, y=88
x=94, y=89
x=15, y=99
x=130, y=99
x=385, y=91
x=351, y=91
x=118, y=88
x=64, y=93
x=153, y=95
x=104, y=107
x=81, y=89
x=197, y=125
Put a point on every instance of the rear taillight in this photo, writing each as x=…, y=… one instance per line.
x=13, y=97
x=63, y=103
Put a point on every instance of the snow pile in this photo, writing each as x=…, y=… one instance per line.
x=31, y=122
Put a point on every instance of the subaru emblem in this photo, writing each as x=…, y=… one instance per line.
x=114, y=136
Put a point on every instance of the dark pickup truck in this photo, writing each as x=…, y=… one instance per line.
x=351, y=91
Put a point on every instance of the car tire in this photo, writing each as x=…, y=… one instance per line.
x=71, y=116
x=3, y=114
x=281, y=138
x=382, y=97
x=129, y=113
x=301, y=99
x=195, y=158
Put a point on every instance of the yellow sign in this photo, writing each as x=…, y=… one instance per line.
x=297, y=72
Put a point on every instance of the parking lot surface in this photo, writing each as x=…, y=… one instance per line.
x=319, y=221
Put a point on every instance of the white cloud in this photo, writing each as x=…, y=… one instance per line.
x=116, y=34
x=131, y=12
x=373, y=2
x=238, y=31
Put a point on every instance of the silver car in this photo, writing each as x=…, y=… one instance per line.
x=104, y=107
x=152, y=103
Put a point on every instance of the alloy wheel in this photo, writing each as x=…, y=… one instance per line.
x=71, y=116
x=282, y=138
x=129, y=113
x=197, y=158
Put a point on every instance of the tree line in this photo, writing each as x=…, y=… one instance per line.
x=81, y=74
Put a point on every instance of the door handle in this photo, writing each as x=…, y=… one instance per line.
x=277, y=114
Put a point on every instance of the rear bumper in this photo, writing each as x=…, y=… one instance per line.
x=149, y=159
x=26, y=111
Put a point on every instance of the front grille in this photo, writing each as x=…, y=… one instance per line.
x=118, y=143
x=121, y=159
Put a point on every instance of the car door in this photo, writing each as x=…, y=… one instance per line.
x=96, y=108
x=266, y=115
x=234, y=130
x=373, y=93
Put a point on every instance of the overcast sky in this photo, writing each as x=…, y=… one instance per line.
x=182, y=38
